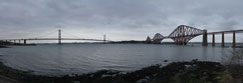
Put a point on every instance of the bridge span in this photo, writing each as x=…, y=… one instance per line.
x=59, y=39
x=183, y=34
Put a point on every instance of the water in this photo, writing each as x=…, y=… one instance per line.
x=85, y=58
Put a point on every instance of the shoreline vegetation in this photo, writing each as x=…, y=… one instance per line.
x=175, y=72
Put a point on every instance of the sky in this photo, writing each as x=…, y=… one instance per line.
x=117, y=19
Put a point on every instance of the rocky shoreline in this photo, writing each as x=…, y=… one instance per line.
x=3, y=46
x=176, y=72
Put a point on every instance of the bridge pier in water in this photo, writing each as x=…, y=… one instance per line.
x=25, y=42
x=14, y=42
x=234, y=40
x=181, y=43
x=59, y=37
x=205, y=38
x=222, y=44
x=223, y=39
x=104, y=38
x=1, y=42
x=213, y=39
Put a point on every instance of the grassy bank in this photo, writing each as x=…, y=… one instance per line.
x=177, y=72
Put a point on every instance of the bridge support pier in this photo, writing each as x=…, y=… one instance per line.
x=59, y=37
x=10, y=41
x=24, y=42
x=205, y=38
x=213, y=40
x=104, y=38
x=234, y=40
x=14, y=42
x=19, y=42
x=6, y=42
x=179, y=43
x=222, y=44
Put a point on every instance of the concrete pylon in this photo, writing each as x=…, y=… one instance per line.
x=222, y=44
x=14, y=42
x=25, y=42
x=104, y=38
x=59, y=37
x=213, y=40
x=234, y=40
x=205, y=38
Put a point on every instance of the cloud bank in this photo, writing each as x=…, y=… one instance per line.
x=118, y=19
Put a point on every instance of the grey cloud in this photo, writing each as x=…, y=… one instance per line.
x=127, y=16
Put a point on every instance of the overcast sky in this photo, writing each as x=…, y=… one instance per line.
x=118, y=19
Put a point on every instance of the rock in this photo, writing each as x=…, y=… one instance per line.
x=76, y=81
x=165, y=60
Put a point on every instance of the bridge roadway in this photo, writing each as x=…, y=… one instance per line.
x=56, y=39
x=223, y=33
x=30, y=39
x=226, y=32
x=59, y=39
x=210, y=33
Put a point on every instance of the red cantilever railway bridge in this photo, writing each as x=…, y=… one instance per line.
x=183, y=34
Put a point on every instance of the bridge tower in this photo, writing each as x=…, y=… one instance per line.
x=104, y=38
x=59, y=37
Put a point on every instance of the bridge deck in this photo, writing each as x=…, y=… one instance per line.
x=58, y=39
x=226, y=32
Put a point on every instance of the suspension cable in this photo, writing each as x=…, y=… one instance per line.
x=46, y=34
x=71, y=34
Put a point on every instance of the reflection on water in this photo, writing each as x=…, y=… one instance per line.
x=83, y=58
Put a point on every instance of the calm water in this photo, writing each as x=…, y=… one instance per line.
x=84, y=58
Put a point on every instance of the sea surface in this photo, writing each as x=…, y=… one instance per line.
x=64, y=59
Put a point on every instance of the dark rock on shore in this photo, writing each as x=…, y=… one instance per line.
x=177, y=72
x=190, y=72
x=3, y=46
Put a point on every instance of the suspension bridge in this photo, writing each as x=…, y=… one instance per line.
x=59, y=39
x=183, y=34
